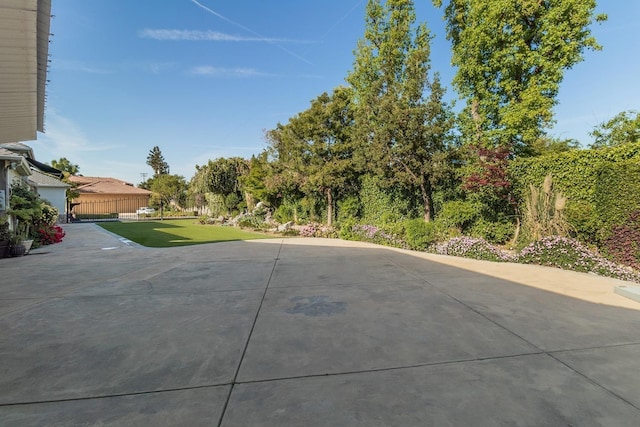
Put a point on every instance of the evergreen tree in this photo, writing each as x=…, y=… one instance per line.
x=317, y=144
x=157, y=162
x=400, y=115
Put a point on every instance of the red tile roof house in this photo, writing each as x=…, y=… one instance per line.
x=107, y=196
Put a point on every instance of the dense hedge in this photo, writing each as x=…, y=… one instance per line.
x=618, y=192
x=602, y=185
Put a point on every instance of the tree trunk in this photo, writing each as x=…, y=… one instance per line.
x=427, y=203
x=329, y=207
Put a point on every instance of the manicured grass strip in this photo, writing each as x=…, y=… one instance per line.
x=177, y=232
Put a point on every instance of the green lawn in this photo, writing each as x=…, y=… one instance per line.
x=177, y=232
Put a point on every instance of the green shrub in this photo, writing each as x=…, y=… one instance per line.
x=105, y=216
x=617, y=194
x=346, y=231
x=588, y=178
x=284, y=213
x=349, y=207
x=231, y=201
x=383, y=206
x=498, y=232
x=582, y=219
x=215, y=203
x=419, y=234
x=458, y=214
x=252, y=221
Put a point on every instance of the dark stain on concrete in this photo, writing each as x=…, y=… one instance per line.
x=316, y=305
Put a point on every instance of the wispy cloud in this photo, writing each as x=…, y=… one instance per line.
x=157, y=67
x=64, y=136
x=207, y=70
x=194, y=35
x=79, y=66
x=249, y=30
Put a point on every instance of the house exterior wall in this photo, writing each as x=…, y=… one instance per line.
x=109, y=203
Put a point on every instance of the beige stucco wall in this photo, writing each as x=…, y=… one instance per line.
x=109, y=203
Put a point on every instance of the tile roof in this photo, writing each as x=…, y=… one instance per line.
x=42, y=179
x=106, y=185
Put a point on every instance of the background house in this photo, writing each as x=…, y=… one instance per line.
x=104, y=195
x=50, y=189
x=12, y=167
x=18, y=165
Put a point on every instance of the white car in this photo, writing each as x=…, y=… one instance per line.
x=145, y=211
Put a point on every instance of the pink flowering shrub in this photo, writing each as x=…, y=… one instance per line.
x=371, y=233
x=318, y=230
x=555, y=251
x=570, y=254
x=50, y=234
x=472, y=247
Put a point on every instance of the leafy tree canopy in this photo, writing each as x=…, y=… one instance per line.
x=624, y=128
x=220, y=176
x=64, y=165
x=510, y=58
x=317, y=143
x=169, y=188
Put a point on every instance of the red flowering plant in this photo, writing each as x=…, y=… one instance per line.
x=50, y=234
x=489, y=174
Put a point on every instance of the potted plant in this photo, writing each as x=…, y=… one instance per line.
x=24, y=209
x=16, y=247
x=4, y=237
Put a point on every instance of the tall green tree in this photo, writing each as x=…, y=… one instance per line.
x=317, y=143
x=169, y=189
x=254, y=181
x=221, y=177
x=510, y=58
x=399, y=111
x=623, y=128
x=64, y=165
x=157, y=162
x=67, y=168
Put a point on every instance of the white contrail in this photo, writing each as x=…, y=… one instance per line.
x=193, y=35
x=342, y=19
x=224, y=18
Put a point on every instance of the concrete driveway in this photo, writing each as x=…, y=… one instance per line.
x=307, y=332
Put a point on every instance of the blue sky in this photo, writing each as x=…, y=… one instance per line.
x=203, y=79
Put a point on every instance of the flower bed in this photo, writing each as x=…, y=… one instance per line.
x=570, y=254
x=471, y=247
